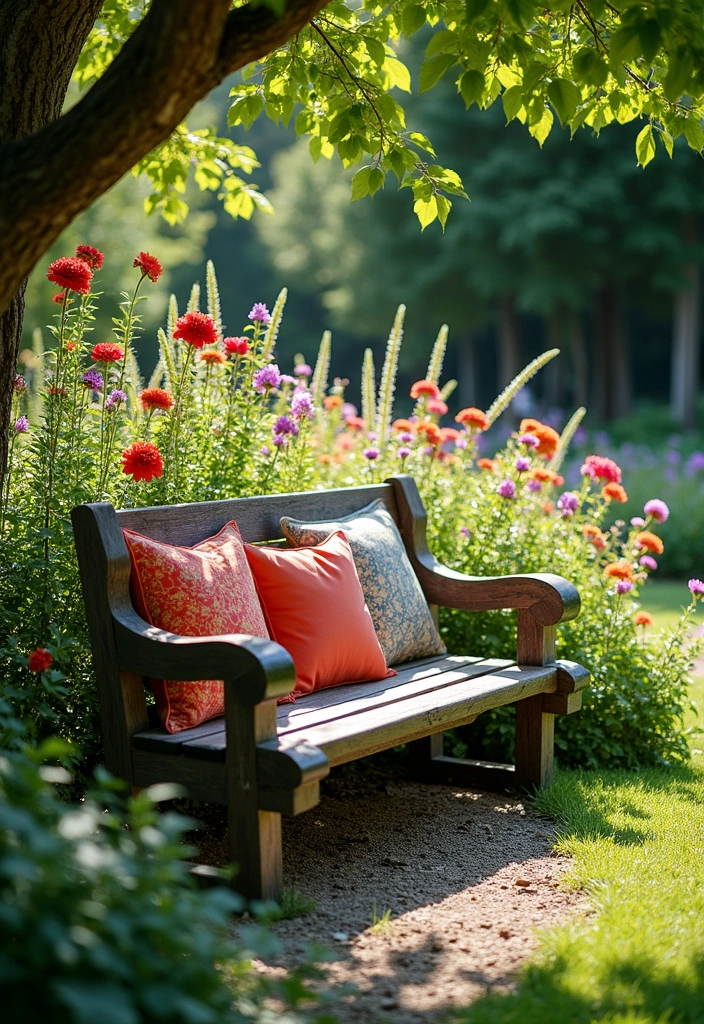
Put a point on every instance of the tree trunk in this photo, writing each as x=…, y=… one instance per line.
x=509, y=338
x=554, y=372
x=580, y=364
x=613, y=382
x=686, y=341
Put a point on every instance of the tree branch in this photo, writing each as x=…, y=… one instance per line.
x=180, y=51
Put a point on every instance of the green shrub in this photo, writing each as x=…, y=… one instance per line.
x=99, y=919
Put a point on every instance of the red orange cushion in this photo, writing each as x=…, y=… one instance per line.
x=314, y=607
x=200, y=591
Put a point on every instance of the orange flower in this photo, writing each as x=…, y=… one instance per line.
x=345, y=442
x=325, y=459
x=155, y=398
x=355, y=423
x=614, y=491
x=425, y=387
x=642, y=619
x=594, y=534
x=142, y=461
x=549, y=438
x=70, y=346
x=473, y=418
x=403, y=427
x=548, y=507
x=212, y=357
x=332, y=402
x=449, y=434
x=621, y=570
x=431, y=431
x=490, y=465
x=650, y=541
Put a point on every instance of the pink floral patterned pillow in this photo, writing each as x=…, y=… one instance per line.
x=200, y=591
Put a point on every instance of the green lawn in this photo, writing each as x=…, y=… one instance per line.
x=637, y=840
x=664, y=599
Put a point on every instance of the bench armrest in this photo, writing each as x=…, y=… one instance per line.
x=256, y=669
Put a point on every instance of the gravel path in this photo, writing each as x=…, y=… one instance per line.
x=467, y=878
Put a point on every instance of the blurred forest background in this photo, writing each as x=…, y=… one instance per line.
x=571, y=245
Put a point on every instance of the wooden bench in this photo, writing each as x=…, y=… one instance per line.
x=263, y=761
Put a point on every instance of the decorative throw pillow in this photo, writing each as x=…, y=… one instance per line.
x=200, y=591
x=314, y=607
x=391, y=589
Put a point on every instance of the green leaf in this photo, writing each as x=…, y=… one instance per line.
x=625, y=44
x=589, y=67
x=650, y=38
x=426, y=210
x=376, y=50
x=678, y=77
x=522, y=12
x=541, y=130
x=474, y=9
x=645, y=145
x=444, y=207
x=513, y=101
x=694, y=133
x=398, y=74
x=565, y=97
x=440, y=42
x=376, y=180
x=414, y=17
x=431, y=71
x=471, y=87
x=668, y=142
x=360, y=184
x=422, y=141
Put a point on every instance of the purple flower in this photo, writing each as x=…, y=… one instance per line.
x=266, y=378
x=372, y=435
x=696, y=586
x=371, y=453
x=21, y=425
x=637, y=521
x=286, y=378
x=534, y=485
x=695, y=463
x=114, y=398
x=461, y=442
x=405, y=437
x=260, y=313
x=507, y=489
x=529, y=439
x=284, y=425
x=280, y=440
x=673, y=457
x=347, y=410
x=522, y=463
x=648, y=562
x=93, y=380
x=303, y=370
x=302, y=404
x=428, y=450
x=464, y=530
x=568, y=503
x=657, y=509
x=623, y=586
x=264, y=450
x=403, y=452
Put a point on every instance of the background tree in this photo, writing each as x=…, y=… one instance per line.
x=146, y=65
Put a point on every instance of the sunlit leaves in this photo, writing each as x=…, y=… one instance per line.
x=645, y=145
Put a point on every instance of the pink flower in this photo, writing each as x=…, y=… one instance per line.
x=371, y=453
x=648, y=562
x=600, y=468
x=506, y=489
x=657, y=509
x=522, y=463
x=623, y=586
x=696, y=587
x=637, y=521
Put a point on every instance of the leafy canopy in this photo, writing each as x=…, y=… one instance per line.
x=341, y=82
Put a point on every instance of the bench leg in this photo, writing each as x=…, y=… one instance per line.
x=535, y=731
x=254, y=835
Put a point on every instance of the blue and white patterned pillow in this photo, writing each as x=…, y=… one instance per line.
x=391, y=589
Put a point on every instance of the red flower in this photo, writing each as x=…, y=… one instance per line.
x=473, y=418
x=39, y=660
x=425, y=387
x=149, y=265
x=600, y=468
x=71, y=273
x=156, y=398
x=58, y=392
x=142, y=460
x=90, y=255
x=70, y=346
x=59, y=298
x=19, y=384
x=106, y=352
x=236, y=346
x=196, y=329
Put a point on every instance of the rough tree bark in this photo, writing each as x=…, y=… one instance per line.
x=686, y=339
x=53, y=167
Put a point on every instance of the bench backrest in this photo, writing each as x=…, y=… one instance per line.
x=105, y=571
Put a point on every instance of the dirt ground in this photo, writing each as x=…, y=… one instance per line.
x=456, y=880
